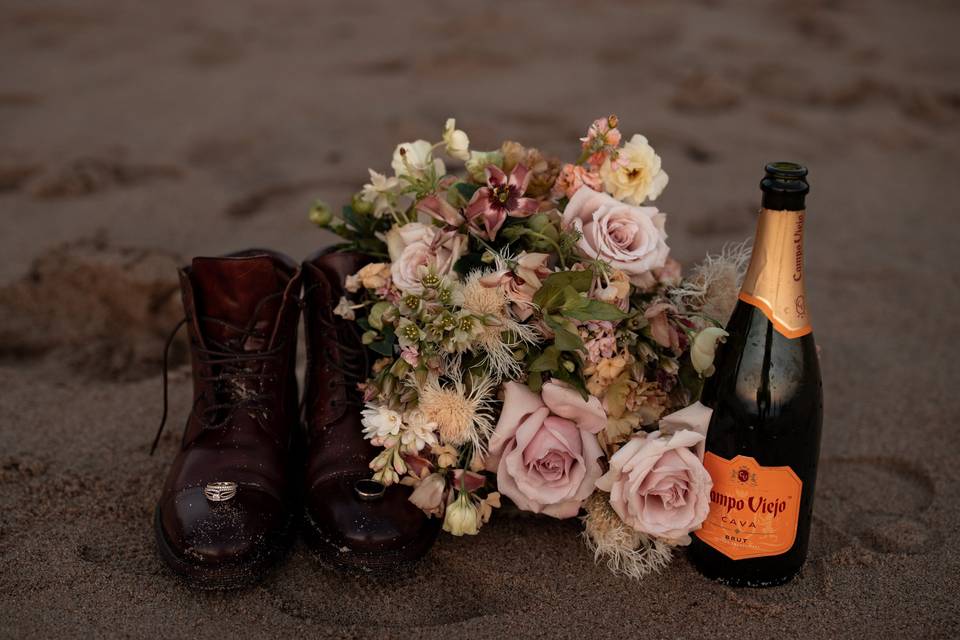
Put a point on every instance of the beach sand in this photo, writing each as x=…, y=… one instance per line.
x=133, y=136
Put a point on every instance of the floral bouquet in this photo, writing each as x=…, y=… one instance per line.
x=536, y=341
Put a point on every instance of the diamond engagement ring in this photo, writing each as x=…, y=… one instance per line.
x=220, y=491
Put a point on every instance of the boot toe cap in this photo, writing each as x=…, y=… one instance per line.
x=246, y=528
x=390, y=525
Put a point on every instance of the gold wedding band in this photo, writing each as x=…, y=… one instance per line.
x=369, y=490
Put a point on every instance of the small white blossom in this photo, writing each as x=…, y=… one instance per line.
x=414, y=159
x=345, y=310
x=456, y=141
x=418, y=431
x=704, y=349
x=380, y=422
x=381, y=192
x=462, y=517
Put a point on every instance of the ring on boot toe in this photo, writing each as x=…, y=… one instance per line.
x=369, y=490
x=220, y=491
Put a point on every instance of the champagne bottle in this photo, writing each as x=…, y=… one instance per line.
x=763, y=442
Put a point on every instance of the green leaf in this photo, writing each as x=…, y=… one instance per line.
x=385, y=346
x=573, y=301
x=469, y=263
x=551, y=295
x=466, y=189
x=574, y=379
x=546, y=361
x=351, y=217
x=595, y=310
x=535, y=382
x=565, y=339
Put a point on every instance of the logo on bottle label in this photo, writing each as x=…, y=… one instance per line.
x=774, y=281
x=754, y=510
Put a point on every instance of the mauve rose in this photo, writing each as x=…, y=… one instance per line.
x=628, y=237
x=416, y=245
x=545, y=450
x=658, y=486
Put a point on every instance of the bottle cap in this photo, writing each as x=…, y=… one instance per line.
x=784, y=186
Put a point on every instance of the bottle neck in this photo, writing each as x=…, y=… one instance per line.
x=774, y=281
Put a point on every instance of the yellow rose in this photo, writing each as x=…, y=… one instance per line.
x=635, y=175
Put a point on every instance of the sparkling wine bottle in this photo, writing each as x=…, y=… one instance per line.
x=764, y=437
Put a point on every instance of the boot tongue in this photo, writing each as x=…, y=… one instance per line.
x=231, y=290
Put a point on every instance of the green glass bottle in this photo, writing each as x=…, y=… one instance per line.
x=763, y=443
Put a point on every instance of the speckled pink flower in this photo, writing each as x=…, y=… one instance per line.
x=601, y=140
x=502, y=197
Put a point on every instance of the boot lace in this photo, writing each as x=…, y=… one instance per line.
x=353, y=363
x=239, y=377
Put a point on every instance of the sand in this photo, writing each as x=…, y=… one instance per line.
x=133, y=136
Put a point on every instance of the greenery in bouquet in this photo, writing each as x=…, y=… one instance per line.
x=535, y=339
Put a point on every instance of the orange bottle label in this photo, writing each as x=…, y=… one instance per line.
x=754, y=510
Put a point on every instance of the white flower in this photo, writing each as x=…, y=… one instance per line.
x=418, y=431
x=456, y=141
x=462, y=517
x=381, y=192
x=414, y=159
x=344, y=309
x=380, y=422
x=704, y=348
x=635, y=175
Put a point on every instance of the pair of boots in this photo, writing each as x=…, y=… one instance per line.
x=253, y=462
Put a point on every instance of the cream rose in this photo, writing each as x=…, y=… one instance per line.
x=635, y=175
x=545, y=449
x=658, y=486
x=631, y=239
x=415, y=247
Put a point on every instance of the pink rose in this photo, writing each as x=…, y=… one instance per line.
x=545, y=449
x=628, y=237
x=415, y=247
x=695, y=417
x=659, y=486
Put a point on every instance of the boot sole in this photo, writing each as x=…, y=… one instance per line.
x=221, y=578
x=344, y=558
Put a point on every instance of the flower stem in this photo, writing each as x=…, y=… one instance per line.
x=530, y=232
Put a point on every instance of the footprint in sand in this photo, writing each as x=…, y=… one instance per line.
x=129, y=552
x=705, y=93
x=100, y=309
x=345, y=602
x=85, y=176
x=882, y=503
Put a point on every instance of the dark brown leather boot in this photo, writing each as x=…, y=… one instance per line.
x=355, y=526
x=229, y=503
